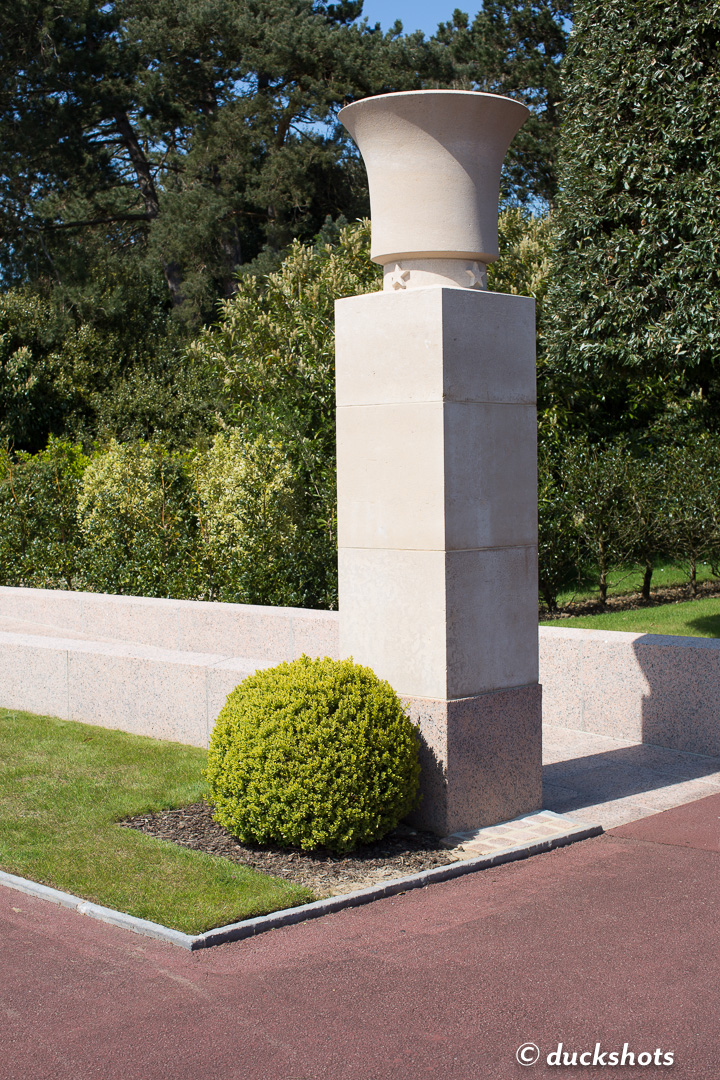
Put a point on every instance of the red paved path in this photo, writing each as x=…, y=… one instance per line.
x=612, y=940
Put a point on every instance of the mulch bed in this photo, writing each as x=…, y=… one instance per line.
x=663, y=594
x=403, y=851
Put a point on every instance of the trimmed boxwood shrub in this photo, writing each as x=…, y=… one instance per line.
x=313, y=753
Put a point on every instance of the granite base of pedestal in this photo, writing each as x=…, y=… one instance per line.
x=481, y=758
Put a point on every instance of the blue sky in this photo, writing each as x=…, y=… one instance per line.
x=415, y=14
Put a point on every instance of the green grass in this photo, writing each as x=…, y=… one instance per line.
x=63, y=787
x=691, y=618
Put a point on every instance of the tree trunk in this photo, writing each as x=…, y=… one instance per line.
x=647, y=578
x=549, y=598
x=140, y=164
x=171, y=270
x=173, y=278
x=603, y=586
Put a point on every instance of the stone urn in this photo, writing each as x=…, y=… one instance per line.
x=433, y=159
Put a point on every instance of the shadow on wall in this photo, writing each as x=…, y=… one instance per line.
x=681, y=709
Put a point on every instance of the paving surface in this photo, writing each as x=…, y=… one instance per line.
x=520, y=832
x=611, y=781
x=613, y=940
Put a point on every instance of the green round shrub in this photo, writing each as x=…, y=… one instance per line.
x=313, y=753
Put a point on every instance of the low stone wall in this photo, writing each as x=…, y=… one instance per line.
x=645, y=687
x=164, y=667
x=151, y=667
x=268, y=633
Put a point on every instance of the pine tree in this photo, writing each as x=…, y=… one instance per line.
x=515, y=48
x=179, y=136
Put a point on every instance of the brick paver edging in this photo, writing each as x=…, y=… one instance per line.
x=251, y=927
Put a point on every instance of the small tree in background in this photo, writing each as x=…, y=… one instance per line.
x=597, y=489
x=647, y=509
x=558, y=541
x=633, y=308
x=693, y=503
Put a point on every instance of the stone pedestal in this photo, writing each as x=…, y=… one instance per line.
x=437, y=530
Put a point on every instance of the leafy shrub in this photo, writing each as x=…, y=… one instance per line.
x=313, y=753
x=247, y=521
x=134, y=510
x=40, y=541
x=273, y=349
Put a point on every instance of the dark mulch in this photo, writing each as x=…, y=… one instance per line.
x=664, y=594
x=403, y=851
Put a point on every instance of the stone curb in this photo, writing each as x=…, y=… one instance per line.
x=96, y=911
x=251, y=927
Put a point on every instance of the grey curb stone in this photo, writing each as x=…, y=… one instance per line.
x=96, y=911
x=251, y=927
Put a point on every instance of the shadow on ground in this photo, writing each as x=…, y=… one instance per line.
x=621, y=783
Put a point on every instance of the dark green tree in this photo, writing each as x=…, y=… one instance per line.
x=516, y=47
x=120, y=372
x=179, y=136
x=632, y=315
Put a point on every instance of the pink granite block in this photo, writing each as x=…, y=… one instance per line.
x=18, y=626
x=681, y=704
x=141, y=619
x=272, y=633
x=646, y=688
x=613, y=686
x=34, y=674
x=139, y=689
x=315, y=633
x=235, y=629
x=49, y=607
x=481, y=758
x=561, y=677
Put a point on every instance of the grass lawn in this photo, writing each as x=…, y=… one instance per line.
x=64, y=785
x=691, y=618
